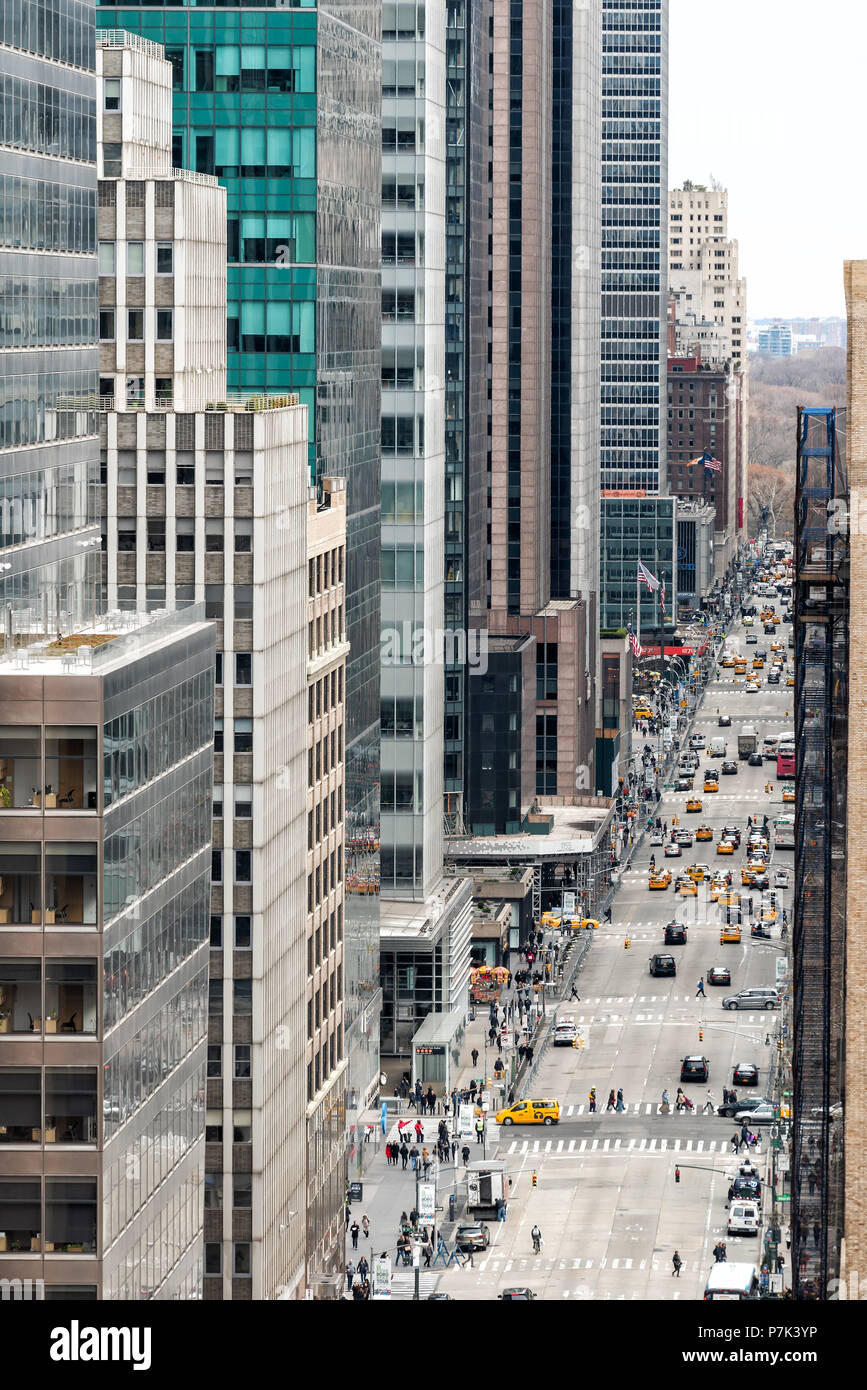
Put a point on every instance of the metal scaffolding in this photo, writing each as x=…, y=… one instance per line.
x=821, y=736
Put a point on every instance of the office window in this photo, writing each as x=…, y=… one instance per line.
x=106, y=258
x=165, y=325
x=243, y=668
x=111, y=94
x=242, y=1061
x=243, y=866
x=213, y=1257
x=106, y=324
x=243, y=1004
x=165, y=258
x=243, y=933
x=216, y=866
x=242, y=1189
x=215, y=1062
x=135, y=258
x=135, y=325
x=243, y=735
x=216, y=933
x=242, y=1257
x=243, y=801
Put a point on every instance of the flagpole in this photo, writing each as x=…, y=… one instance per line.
x=638, y=605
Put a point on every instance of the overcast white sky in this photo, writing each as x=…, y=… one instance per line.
x=770, y=96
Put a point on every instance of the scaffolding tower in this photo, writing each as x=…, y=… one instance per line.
x=821, y=736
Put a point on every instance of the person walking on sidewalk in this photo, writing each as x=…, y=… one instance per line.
x=709, y=1104
x=612, y=1103
x=699, y=989
x=365, y=1226
x=620, y=1106
x=350, y=1275
x=465, y=1154
x=677, y=1264
x=419, y=1132
x=475, y=1056
x=404, y=1155
x=592, y=1100
x=353, y=1231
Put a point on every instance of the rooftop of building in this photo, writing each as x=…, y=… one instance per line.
x=573, y=829
x=98, y=647
x=402, y=917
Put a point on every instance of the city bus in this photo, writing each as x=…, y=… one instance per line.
x=784, y=832
x=786, y=761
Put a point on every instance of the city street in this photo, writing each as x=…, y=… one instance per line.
x=607, y=1202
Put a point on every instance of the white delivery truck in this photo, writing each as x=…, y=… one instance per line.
x=747, y=741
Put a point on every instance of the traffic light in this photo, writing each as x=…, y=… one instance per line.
x=626, y=944
x=533, y=1179
x=701, y=1035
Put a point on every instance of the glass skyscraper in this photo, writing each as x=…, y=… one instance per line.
x=634, y=242
x=49, y=430
x=282, y=103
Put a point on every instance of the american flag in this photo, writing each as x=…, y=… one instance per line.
x=711, y=464
x=637, y=649
x=645, y=577
x=662, y=599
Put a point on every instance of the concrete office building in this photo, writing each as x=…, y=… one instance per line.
x=706, y=412
x=710, y=295
x=49, y=505
x=413, y=452
x=541, y=614
x=635, y=527
x=207, y=505
x=107, y=757
x=284, y=102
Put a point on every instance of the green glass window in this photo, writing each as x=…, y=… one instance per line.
x=280, y=150
x=305, y=237
x=228, y=68
x=253, y=67
x=253, y=157
x=281, y=73
x=226, y=152
x=252, y=326
x=304, y=62
x=304, y=152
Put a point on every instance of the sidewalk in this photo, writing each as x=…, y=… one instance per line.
x=388, y=1191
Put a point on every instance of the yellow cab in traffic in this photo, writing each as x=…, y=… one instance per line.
x=693, y=804
x=729, y=899
x=659, y=878
x=550, y=919
x=704, y=832
x=728, y=661
x=642, y=712
x=758, y=663
x=717, y=886
x=687, y=887
x=767, y=914
x=725, y=847
x=790, y=680
x=788, y=793
x=582, y=923
x=530, y=1112
x=731, y=933
x=710, y=784
x=698, y=872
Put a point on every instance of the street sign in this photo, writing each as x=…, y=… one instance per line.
x=427, y=1201
x=356, y=1191
x=781, y=1196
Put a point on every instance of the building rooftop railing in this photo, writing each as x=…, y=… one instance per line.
x=122, y=38
x=145, y=172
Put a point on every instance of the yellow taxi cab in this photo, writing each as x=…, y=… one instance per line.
x=687, y=887
x=728, y=661
x=642, y=712
x=767, y=914
x=741, y=666
x=717, y=886
x=704, y=832
x=788, y=793
x=693, y=804
x=660, y=878
x=729, y=932
x=725, y=847
x=584, y=923
x=790, y=680
x=758, y=663
x=776, y=646
x=698, y=872
x=530, y=1112
x=711, y=784
x=729, y=899
x=550, y=919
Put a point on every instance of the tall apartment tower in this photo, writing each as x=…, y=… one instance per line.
x=533, y=716
x=209, y=504
x=710, y=296
x=634, y=252
x=413, y=447
x=282, y=104
x=48, y=357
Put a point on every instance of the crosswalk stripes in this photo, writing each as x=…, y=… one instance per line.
x=403, y=1283
x=644, y=1145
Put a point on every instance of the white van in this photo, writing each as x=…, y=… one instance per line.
x=717, y=747
x=731, y=1282
x=744, y=1219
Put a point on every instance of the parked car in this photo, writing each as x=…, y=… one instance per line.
x=761, y=997
x=719, y=975
x=472, y=1235
x=765, y=1113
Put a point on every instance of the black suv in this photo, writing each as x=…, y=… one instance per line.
x=694, y=1069
x=663, y=965
x=675, y=935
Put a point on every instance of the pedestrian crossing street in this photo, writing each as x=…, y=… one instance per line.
x=622, y=1146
